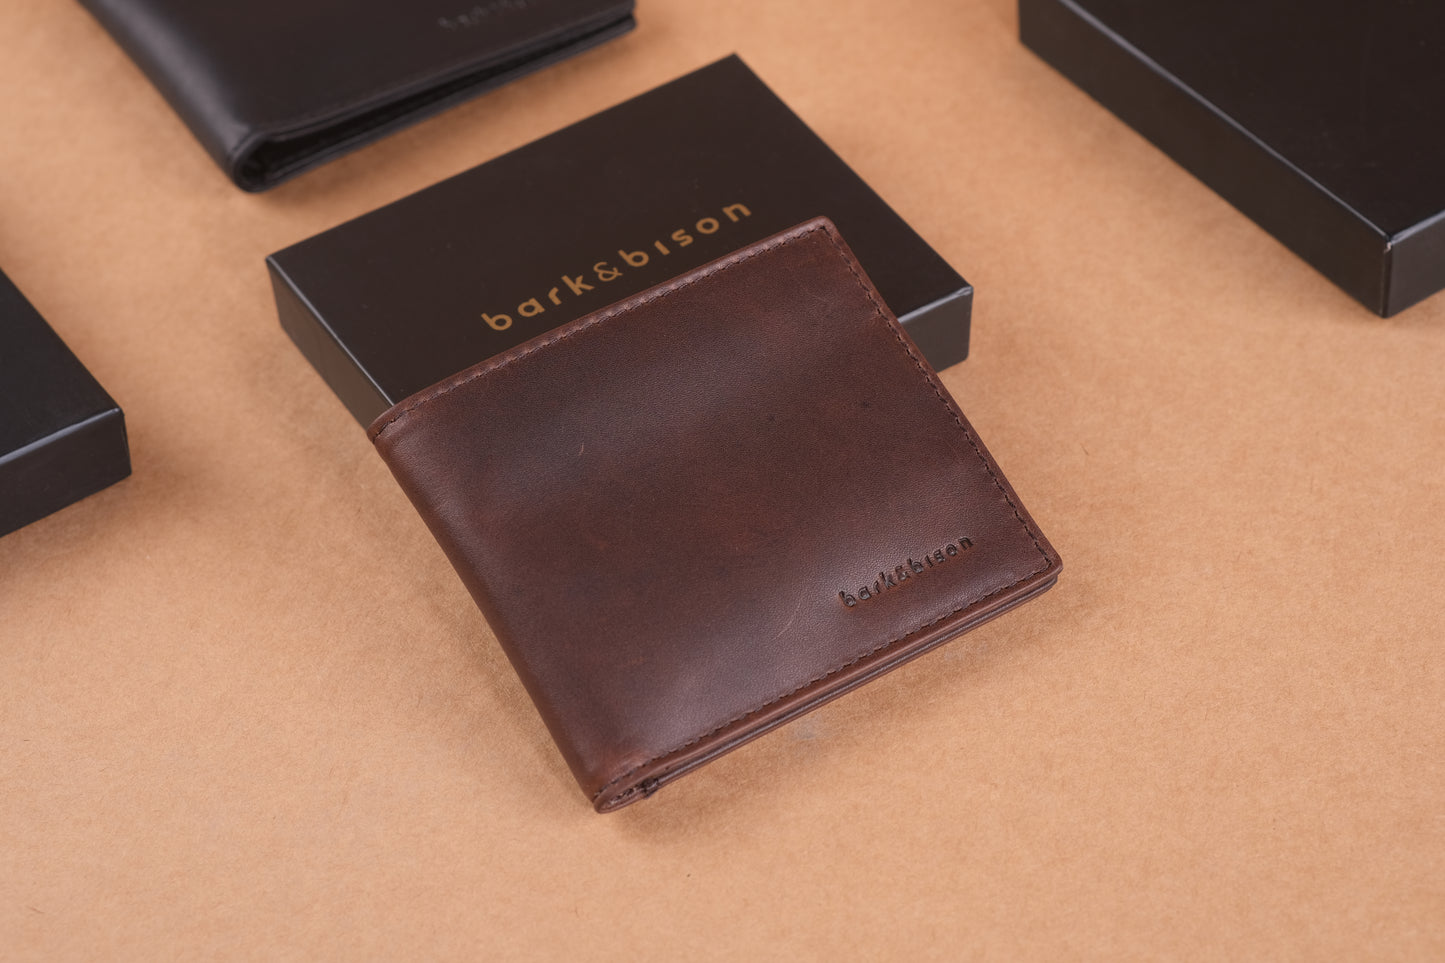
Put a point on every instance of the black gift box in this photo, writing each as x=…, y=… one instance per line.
x=400, y=298
x=61, y=435
x=1322, y=120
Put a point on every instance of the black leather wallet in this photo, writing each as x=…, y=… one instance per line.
x=274, y=87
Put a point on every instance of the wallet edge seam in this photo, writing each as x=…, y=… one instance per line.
x=871, y=653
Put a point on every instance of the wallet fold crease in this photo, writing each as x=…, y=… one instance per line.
x=272, y=88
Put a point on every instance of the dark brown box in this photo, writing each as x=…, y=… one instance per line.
x=400, y=298
x=1319, y=119
x=61, y=436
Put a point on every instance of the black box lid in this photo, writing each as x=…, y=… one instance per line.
x=398, y=299
x=61, y=435
x=1323, y=120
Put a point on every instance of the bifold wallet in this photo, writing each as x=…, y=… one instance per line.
x=274, y=87
x=698, y=513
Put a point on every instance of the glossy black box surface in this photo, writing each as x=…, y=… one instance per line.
x=61, y=436
x=398, y=299
x=1322, y=120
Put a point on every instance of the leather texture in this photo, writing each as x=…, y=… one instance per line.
x=706, y=509
x=274, y=87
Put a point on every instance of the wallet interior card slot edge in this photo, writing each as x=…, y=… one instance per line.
x=425, y=464
x=269, y=157
x=646, y=779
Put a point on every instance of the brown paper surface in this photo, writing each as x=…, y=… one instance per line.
x=247, y=709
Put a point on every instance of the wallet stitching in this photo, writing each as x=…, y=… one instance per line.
x=715, y=270
x=933, y=383
x=813, y=681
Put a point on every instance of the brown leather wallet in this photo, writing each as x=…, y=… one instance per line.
x=711, y=507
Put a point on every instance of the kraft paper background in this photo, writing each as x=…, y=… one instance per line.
x=248, y=711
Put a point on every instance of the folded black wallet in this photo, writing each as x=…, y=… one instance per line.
x=274, y=87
